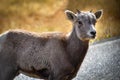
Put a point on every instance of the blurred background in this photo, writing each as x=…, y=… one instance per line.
x=48, y=15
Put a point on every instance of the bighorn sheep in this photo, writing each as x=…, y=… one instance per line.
x=51, y=56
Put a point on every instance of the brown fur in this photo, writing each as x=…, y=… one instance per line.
x=23, y=50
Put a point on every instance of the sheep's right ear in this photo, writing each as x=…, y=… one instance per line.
x=98, y=14
x=70, y=15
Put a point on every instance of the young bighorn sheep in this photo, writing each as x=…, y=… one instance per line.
x=51, y=56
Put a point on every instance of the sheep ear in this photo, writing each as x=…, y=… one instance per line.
x=98, y=14
x=70, y=15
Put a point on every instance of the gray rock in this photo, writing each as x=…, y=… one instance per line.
x=102, y=62
x=23, y=77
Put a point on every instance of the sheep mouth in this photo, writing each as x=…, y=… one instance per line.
x=87, y=37
x=93, y=36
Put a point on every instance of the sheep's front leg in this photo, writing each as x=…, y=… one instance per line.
x=60, y=76
x=51, y=77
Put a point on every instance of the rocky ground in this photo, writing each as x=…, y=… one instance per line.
x=102, y=62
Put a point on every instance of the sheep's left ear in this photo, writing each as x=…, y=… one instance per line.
x=70, y=15
x=98, y=14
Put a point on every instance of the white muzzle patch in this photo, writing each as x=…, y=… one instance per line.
x=92, y=29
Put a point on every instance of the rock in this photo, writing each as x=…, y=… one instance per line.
x=102, y=62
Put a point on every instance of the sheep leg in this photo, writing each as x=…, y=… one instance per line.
x=62, y=76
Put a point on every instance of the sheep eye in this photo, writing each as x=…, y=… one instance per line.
x=80, y=22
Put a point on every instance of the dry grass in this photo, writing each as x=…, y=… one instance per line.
x=48, y=15
x=33, y=15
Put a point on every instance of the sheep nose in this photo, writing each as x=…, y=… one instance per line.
x=93, y=33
